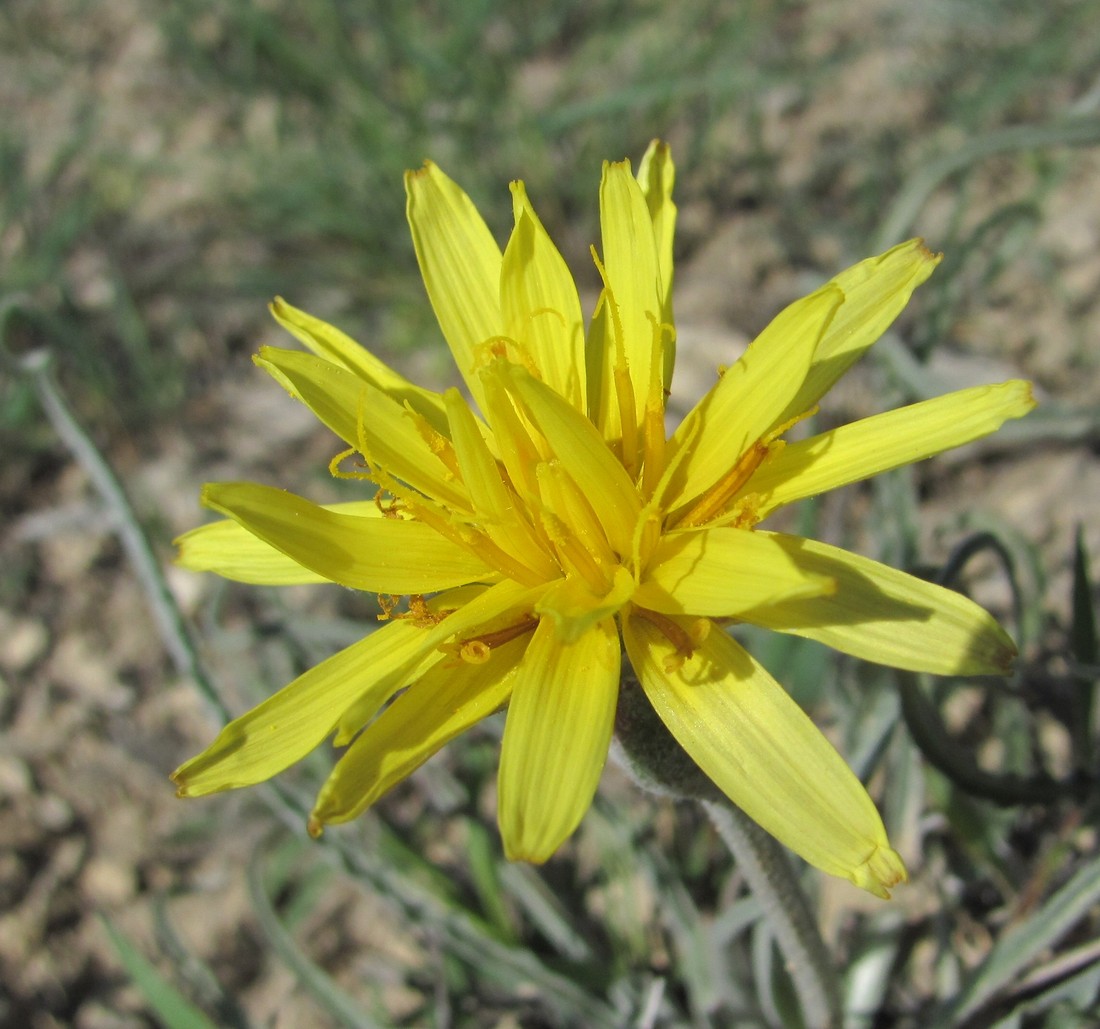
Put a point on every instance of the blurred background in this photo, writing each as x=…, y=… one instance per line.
x=165, y=169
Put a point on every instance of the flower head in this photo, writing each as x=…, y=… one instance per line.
x=537, y=534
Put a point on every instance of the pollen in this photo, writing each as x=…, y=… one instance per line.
x=422, y=616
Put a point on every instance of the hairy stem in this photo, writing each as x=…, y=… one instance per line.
x=771, y=879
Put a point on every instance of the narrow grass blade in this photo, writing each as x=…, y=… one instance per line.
x=1024, y=943
x=170, y=1006
x=330, y=997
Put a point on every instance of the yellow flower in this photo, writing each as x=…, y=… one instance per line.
x=536, y=541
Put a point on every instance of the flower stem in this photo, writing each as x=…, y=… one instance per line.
x=647, y=752
x=773, y=884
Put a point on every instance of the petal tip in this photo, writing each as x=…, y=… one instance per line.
x=414, y=176
x=1005, y=660
x=880, y=872
x=514, y=852
x=935, y=256
x=179, y=779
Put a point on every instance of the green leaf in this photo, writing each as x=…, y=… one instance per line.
x=1082, y=639
x=1024, y=943
x=485, y=876
x=171, y=1008
x=344, y=1009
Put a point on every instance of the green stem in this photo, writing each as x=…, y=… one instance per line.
x=767, y=870
x=647, y=752
x=173, y=630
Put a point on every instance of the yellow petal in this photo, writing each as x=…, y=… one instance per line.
x=465, y=612
x=381, y=555
x=599, y=363
x=358, y=679
x=363, y=415
x=747, y=400
x=585, y=456
x=575, y=609
x=721, y=573
x=289, y=724
x=539, y=303
x=441, y=704
x=556, y=738
x=329, y=342
x=873, y=445
x=740, y=726
x=631, y=265
x=875, y=293
x=656, y=176
x=460, y=263
x=500, y=515
x=230, y=550
x=886, y=616
x=334, y=394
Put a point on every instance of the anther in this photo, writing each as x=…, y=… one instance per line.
x=684, y=640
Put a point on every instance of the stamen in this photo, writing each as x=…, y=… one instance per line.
x=337, y=472
x=498, y=637
x=391, y=508
x=683, y=640
x=513, y=434
x=478, y=543
x=476, y=650
x=628, y=417
x=561, y=495
x=422, y=616
x=439, y=445
x=744, y=513
x=647, y=535
x=711, y=504
x=499, y=512
x=573, y=556
x=716, y=499
x=387, y=602
x=452, y=526
x=505, y=348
